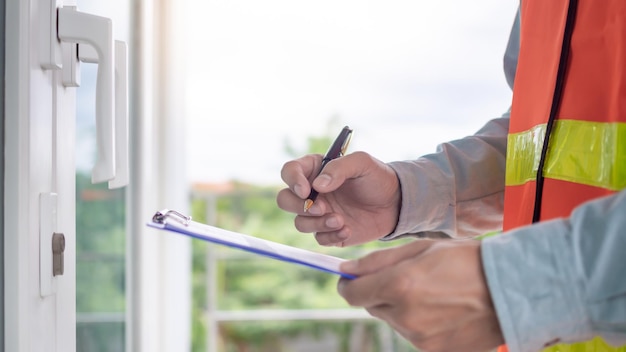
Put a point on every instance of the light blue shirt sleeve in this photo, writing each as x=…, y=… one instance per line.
x=564, y=280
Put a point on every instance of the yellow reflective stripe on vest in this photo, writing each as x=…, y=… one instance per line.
x=595, y=345
x=590, y=153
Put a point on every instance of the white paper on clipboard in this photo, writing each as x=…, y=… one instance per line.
x=173, y=221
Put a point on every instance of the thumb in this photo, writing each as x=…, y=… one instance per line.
x=381, y=259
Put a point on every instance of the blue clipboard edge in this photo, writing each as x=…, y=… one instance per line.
x=192, y=234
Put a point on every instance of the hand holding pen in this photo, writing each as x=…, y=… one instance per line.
x=361, y=195
x=337, y=149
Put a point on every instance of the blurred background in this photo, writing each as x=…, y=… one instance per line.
x=230, y=90
x=405, y=74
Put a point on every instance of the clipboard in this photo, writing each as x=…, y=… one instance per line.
x=173, y=221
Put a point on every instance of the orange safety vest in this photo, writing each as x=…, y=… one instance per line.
x=568, y=117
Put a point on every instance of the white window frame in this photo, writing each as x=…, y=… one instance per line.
x=159, y=266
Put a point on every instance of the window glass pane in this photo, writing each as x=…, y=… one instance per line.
x=100, y=241
x=100, y=337
x=100, y=216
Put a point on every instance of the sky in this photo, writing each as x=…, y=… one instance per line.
x=406, y=75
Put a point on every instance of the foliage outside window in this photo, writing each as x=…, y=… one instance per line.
x=250, y=282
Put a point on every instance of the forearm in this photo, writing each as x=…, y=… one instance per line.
x=457, y=191
x=562, y=280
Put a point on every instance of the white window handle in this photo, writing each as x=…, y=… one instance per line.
x=87, y=53
x=121, y=117
x=84, y=28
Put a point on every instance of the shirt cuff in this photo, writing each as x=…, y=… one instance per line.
x=427, y=208
x=534, y=286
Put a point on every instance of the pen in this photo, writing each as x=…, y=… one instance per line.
x=337, y=149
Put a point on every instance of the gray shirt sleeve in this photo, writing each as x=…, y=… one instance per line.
x=459, y=190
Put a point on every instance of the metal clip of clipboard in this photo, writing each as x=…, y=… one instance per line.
x=160, y=217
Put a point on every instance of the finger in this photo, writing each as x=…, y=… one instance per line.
x=373, y=290
x=337, y=171
x=287, y=200
x=324, y=223
x=381, y=259
x=386, y=312
x=296, y=173
x=334, y=238
x=382, y=312
x=399, y=318
x=329, y=229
